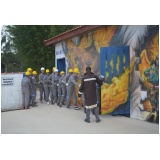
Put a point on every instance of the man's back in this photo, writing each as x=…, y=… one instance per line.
x=88, y=86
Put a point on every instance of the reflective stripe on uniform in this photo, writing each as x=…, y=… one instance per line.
x=92, y=106
x=80, y=92
x=90, y=79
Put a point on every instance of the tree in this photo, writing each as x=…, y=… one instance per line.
x=8, y=57
x=27, y=43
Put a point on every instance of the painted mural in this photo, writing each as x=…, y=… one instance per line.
x=115, y=65
x=84, y=50
x=149, y=69
x=142, y=70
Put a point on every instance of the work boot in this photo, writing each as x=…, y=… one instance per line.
x=23, y=107
x=67, y=107
x=34, y=105
x=28, y=107
x=51, y=102
x=98, y=120
x=48, y=102
x=76, y=108
x=60, y=105
x=88, y=121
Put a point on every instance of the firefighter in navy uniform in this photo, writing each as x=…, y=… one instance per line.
x=88, y=86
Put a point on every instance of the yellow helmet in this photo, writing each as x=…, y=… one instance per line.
x=29, y=69
x=47, y=71
x=76, y=70
x=70, y=70
x=62, y=72
x=34, y=72
x=27, y=73
x=54, y=68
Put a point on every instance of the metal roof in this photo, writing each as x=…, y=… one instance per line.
x=71, y=34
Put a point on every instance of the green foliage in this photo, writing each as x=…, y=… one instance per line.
x=27, y=44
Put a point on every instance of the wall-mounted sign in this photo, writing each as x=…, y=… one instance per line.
x=59, y=52
x=7, y=81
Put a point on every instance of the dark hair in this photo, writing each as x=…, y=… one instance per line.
x=88, y=69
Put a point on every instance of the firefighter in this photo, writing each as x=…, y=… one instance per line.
x=51, y=88
x=47, y=84
x=88, y=86
x=34, y=89
x=41, y=87
x=26, y=87
x=61, y=89
x=31, y=89
x=71, y=91
x=30, y=70
x=55, y=81
x=70, y=72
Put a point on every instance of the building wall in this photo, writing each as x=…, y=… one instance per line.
x=143, y=42
x=11, y=96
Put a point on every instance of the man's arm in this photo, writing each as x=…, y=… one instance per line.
x=98, y=80
x=40, y=79
x=81, y=89
x=73, y=80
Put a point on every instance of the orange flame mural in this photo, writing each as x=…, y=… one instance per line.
x=89, y=48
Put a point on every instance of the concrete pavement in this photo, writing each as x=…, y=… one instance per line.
x=51, y=119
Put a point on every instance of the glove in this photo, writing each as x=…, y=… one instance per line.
x=79, y=85
x=66, y=84
x=57, y=84
x=101, y=77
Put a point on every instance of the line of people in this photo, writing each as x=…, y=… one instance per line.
x=60, y=89
x=28, y=87
x=53, y=88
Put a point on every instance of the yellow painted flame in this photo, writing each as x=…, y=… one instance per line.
x=112, y=95
x=118, y=64
x=112, y=65
x=103, y=36
x=124, y=59
x=106, y=75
